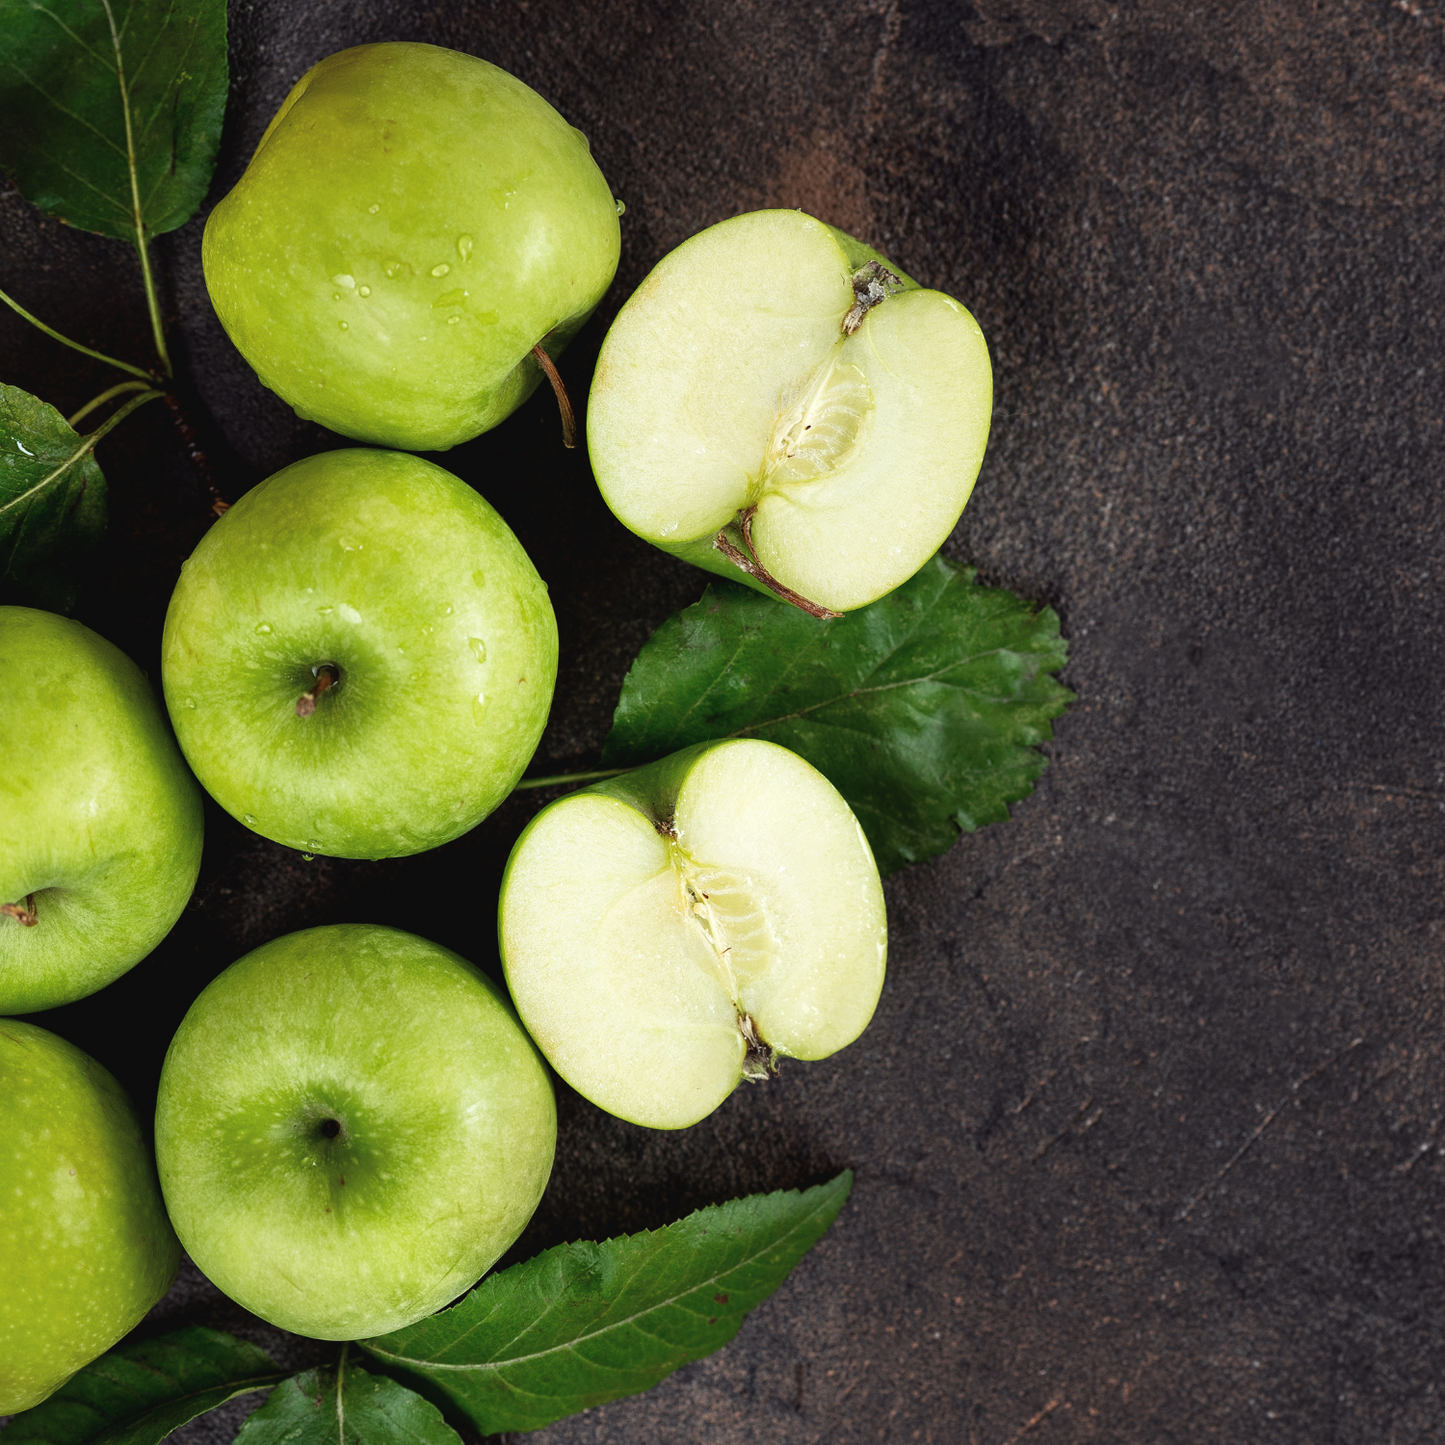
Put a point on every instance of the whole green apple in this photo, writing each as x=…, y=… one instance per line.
x=86, y=1245
x=670, y=932
x=351, y=1127
x=413, y=223
x=359, y=656
x=780, y=404
x=100, y=822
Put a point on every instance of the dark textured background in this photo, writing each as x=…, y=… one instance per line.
x=1147, y=1125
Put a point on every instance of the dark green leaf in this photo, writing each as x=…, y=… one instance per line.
x=69, y=69
x=313, y=1409
x=585, y=1323
x=140, y=1392
x=922, y=709
x=51, y=515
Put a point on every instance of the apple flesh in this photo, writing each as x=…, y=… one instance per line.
x=395, y=585
x=413, y=223
x=100, y=821
x=667, y=933
x=351, y=1127
x=84, y=1237
x=729, y=391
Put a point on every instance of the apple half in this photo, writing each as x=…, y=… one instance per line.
x=669, y=933
x=780, y=404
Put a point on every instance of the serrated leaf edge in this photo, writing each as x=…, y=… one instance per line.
x=572, y=1344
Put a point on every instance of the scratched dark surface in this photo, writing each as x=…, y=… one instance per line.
x=1147, y=1126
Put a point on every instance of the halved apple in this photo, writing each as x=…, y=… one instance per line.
x=780, y=404
x=670, y=932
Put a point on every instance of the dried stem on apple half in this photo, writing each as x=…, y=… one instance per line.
x=564, y=402
x=754, y=568
x=22, y=913
x=327, y=675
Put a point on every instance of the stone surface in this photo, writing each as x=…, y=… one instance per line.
x=1147, y=1125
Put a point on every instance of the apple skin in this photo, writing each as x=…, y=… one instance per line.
x=413, y=223
x=401, y=574
x=83, y=1232
x=99, y=817
x=447, y=1126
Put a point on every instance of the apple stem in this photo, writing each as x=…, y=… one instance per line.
x=560, y=780
x=564, y=402
x=22, y=913
x=761, y=1059
x=327, y=675
x=754, y=568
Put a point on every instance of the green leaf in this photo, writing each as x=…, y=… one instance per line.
x=585, y=1323
x=140, y=1392
x=922, y=709
x=110, y=110
x=345, y=1406
x=51, y=515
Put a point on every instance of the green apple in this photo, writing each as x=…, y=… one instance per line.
x=351, y=1127
x=668, y=933
x=413, y=223
x=100, y=822
x=84, y=1239
x=779, y=404
x=359, y=656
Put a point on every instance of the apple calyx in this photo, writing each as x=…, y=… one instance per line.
x=750, y=564
x=328, y=676
x=564, y=402
x=22, y=913
x=761, y=1060
x=872, y=285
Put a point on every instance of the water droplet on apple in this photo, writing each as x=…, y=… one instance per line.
x=364, y=291
x=344, y=325
x=478, y=647
x=373, y=209
x=479, y=709
x=621, y=207
x=349, y=544
x=350, y=613
x=440, y=269
x=452, y=320
x=264, y=628
x=314, y=843
x=189, y=702
x=309, y=857
x=479, y=578
x=249, y=819
x=323, y=610
x=464, y=246
x=445, y=609
x=344, y=279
